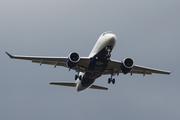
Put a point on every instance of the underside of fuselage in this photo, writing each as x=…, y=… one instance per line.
x=98, y=63
x=96, y=67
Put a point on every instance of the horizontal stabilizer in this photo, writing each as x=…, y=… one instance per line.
x=70, y=84
x=73, y=84
x=98, y=87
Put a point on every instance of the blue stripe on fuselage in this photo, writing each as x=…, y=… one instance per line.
x=97, y=65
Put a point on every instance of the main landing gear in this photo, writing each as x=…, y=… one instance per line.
x=111, y=79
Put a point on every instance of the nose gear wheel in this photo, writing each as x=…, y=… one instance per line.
x=76, y=77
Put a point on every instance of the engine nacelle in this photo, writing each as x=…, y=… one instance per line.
x=73, y=59
x=127, y=65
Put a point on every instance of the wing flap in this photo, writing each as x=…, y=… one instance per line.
x=141, y=72
x=113, y=67
x=50, y=62
x=114, y=64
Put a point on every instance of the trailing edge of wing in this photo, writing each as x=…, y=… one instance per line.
x=138, y=68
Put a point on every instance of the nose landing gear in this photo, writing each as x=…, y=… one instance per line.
x=108, y=49
x=76, y=77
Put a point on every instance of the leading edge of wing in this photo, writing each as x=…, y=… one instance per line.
x=22, y=57
x=84, y=61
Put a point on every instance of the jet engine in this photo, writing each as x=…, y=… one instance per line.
x=72, y=60
x=127, y=65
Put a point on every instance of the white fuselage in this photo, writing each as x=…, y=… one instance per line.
x=106, y=39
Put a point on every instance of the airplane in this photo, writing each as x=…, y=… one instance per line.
x=90, y=68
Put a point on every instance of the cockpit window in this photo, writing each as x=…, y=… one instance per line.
x=106, y=33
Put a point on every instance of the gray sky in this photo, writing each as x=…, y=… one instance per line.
x=148, y=31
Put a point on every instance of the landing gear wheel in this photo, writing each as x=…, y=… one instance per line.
x=76, y=76
x=109, y=80
x=108, y=56
x=113, y=81
x=80, y=77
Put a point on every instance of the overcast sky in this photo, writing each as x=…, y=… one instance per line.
x=148, y=31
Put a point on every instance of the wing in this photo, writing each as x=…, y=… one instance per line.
x=55, y=61
x=114, y=68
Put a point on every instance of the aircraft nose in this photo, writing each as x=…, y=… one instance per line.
x=111, y=38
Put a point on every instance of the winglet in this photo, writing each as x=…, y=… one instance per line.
x=9, y=55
